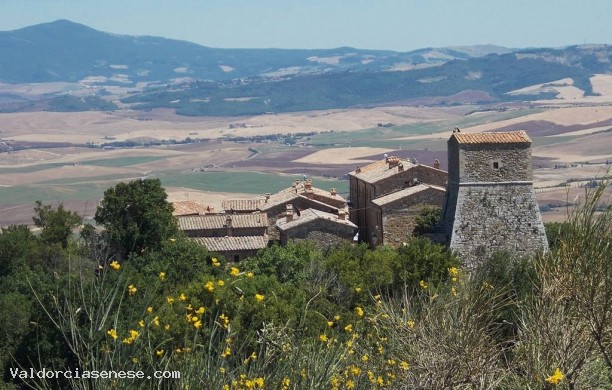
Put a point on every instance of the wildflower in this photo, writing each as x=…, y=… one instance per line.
x=134, y=334
x=160, y=352
x=285, y=383
x=222, y=370
x=253, y=356
x=132, y=289
x=183, y=297
x=487, y=285
x=359, y=311
x=423, y=285
x=337, y=317
x=162, y=276
x=357, y=290
x=330, y=323
x=226, y=352
x=259, y=297
x=112, y=333
x=167, y=327
x=380, y=380
x=348, y=328
x=134, y=360
x=259, y=382
x=323, y=338
x=453, y=271
x=141, y=323
x=170, y=300
x=156, y=321
x=365, y=358
x=215, y=262
x=355, y=370
x=350, y=384
x=454, y=291
x=221, y=283
x=197, y=324
x=555, y=378
x=115, y=265
x=149, y=309
x=209, y=286
x=404, y=365
x=234, y=271
x=201, y=310
x=250, y=274
x=410, y=323
x=225, y=320
x=194, y=319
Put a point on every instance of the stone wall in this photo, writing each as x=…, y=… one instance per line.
x=481, y=163
x=401, y=180
x=502, y=217
x=324, y=233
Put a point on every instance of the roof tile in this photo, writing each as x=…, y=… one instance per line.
x=219, y=221
x=511, y=137
x=222, y=244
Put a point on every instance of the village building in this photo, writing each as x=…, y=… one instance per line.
x=324, y=229
x=302, y=195
x=491, y=203
x=387, y=195
x=235, y=236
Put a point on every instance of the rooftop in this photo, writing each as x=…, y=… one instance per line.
x=300, y=189
x=382, y=169
x=242, y=204
x=223, y=244
x=511, y=137
x=310, y=215
x=219, y=221
x=190, y=207
x=406, y=192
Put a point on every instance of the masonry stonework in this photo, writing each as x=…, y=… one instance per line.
x=491, y=204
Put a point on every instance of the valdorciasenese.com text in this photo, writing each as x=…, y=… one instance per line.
x=18, y=373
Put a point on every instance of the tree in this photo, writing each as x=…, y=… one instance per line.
x=56, y=224
x=136, y=216
x=427, y=220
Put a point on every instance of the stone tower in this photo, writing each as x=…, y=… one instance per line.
x=490, y=202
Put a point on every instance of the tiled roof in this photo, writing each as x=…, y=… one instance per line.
x=406, y=192
x=380, y=170
x=242, y=204
x=511, y=137
x=223, y=244
x=298, y=190
x=310, y=215
x=219, y=221
x=189, y=207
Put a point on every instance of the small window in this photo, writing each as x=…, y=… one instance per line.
x=496, y=165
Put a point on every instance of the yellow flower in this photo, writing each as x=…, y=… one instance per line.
x=132, y=289
x=156, y=321
x=134, y=360
x=404, y=365
x=115, y=265
x=259, y=382
x=259, y=297
x=350, y=384
x=453, y=271
x=410, y=323
x=194, y=319
x=221, y=283
x=357, y=290
x=162, y=276
x=234, y=271
x=167, y=327
x=198, y=324
x=359, y=311
x=215, y=262
x=364, y=358
x=253, y=356
x=141, y=323
x=160, y=352
x=226, y=352
x=201, y=310
x=112, y=333
x=323, y=338
x=149, y=309
x=222, y=370
x=330, y=323
x=183, y=297
x=348, y=328
x=355, y=370
x=134, y=334
x=556, y=377
x=250, y=274
x=285, y=383
x=337, y=317
x=423, y=285
x=170, y=300
x=454, y=291
x=209, y=286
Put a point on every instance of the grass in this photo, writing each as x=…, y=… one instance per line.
x=31, y=168
x=123, y=161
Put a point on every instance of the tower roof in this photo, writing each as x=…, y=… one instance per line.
x=511, y=137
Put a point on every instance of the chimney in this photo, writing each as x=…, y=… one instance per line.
x=308, y=184
x=341, y=215
x=358, y=169
x=268, y=196
x=296, y=182
x=228, y=225
x=393, y=161
x=400, y=167
x=289, y=213
x=333, y=192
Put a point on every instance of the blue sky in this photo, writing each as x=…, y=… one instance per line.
x=369, y=24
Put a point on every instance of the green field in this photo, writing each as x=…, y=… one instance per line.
x=122, y=161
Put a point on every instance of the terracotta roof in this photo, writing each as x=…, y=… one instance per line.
x=223, y=244
x=406, y=192
x=380, y=170
x=511, y=137
x=298, y=190
x=219, y=221
x=189, y=207
x=310, y=215
x=242, y=204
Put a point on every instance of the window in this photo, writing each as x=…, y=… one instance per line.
x=496, y=165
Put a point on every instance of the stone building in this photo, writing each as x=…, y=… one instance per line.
x=234, y=236
x=190, y=207
x=324, y=229
x=387, y=195
x=302, y=195
x=491, y=203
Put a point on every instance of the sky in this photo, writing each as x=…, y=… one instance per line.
x=401, y=25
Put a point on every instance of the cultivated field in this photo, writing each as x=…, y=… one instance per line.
x=571, y=142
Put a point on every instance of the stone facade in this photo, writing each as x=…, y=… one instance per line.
x=391, y=178
x=491, y=203
x=324, y=229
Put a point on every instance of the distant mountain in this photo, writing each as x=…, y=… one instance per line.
x=71, y=52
